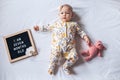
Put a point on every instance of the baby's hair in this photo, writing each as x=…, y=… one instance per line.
x=67, y=6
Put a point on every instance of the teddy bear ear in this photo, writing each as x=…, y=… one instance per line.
x=99, y=42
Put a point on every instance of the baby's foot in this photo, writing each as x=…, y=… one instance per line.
x=67, y=71
x=50, y=71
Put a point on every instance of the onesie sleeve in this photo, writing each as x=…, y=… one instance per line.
x=46, y=28
x=80, y=31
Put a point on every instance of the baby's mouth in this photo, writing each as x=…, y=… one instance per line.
x=64, y=18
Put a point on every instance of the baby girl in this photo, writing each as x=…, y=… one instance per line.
x=63, y=39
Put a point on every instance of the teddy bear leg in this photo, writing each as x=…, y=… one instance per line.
x=85, y=53
x=100, y=54
x=88, y=58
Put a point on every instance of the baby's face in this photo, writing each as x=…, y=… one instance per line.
x=65, y=14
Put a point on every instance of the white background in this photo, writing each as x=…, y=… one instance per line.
x=100, y=19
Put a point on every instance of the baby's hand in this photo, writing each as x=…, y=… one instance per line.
x=36, y=28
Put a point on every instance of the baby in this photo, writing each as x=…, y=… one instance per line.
x=63, y=39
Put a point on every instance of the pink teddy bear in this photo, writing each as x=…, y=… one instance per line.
x=94, y=49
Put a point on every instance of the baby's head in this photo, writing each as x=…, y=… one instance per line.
x=65, y=13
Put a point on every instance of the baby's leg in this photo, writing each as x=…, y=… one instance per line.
x=54, y=57
x=73, y=57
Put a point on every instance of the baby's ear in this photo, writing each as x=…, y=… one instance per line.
x=73, y=15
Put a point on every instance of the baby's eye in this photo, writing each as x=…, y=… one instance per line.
x=61, y=13
x=67, y=13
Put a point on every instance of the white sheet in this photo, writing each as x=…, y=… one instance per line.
x=100, y=19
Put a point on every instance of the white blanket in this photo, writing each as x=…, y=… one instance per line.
x=99, y=18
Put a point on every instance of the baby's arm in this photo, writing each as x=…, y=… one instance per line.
x=42, y=28
x=83, y=34
x=87, y=40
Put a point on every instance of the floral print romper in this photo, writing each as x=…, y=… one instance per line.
x=63, y=43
